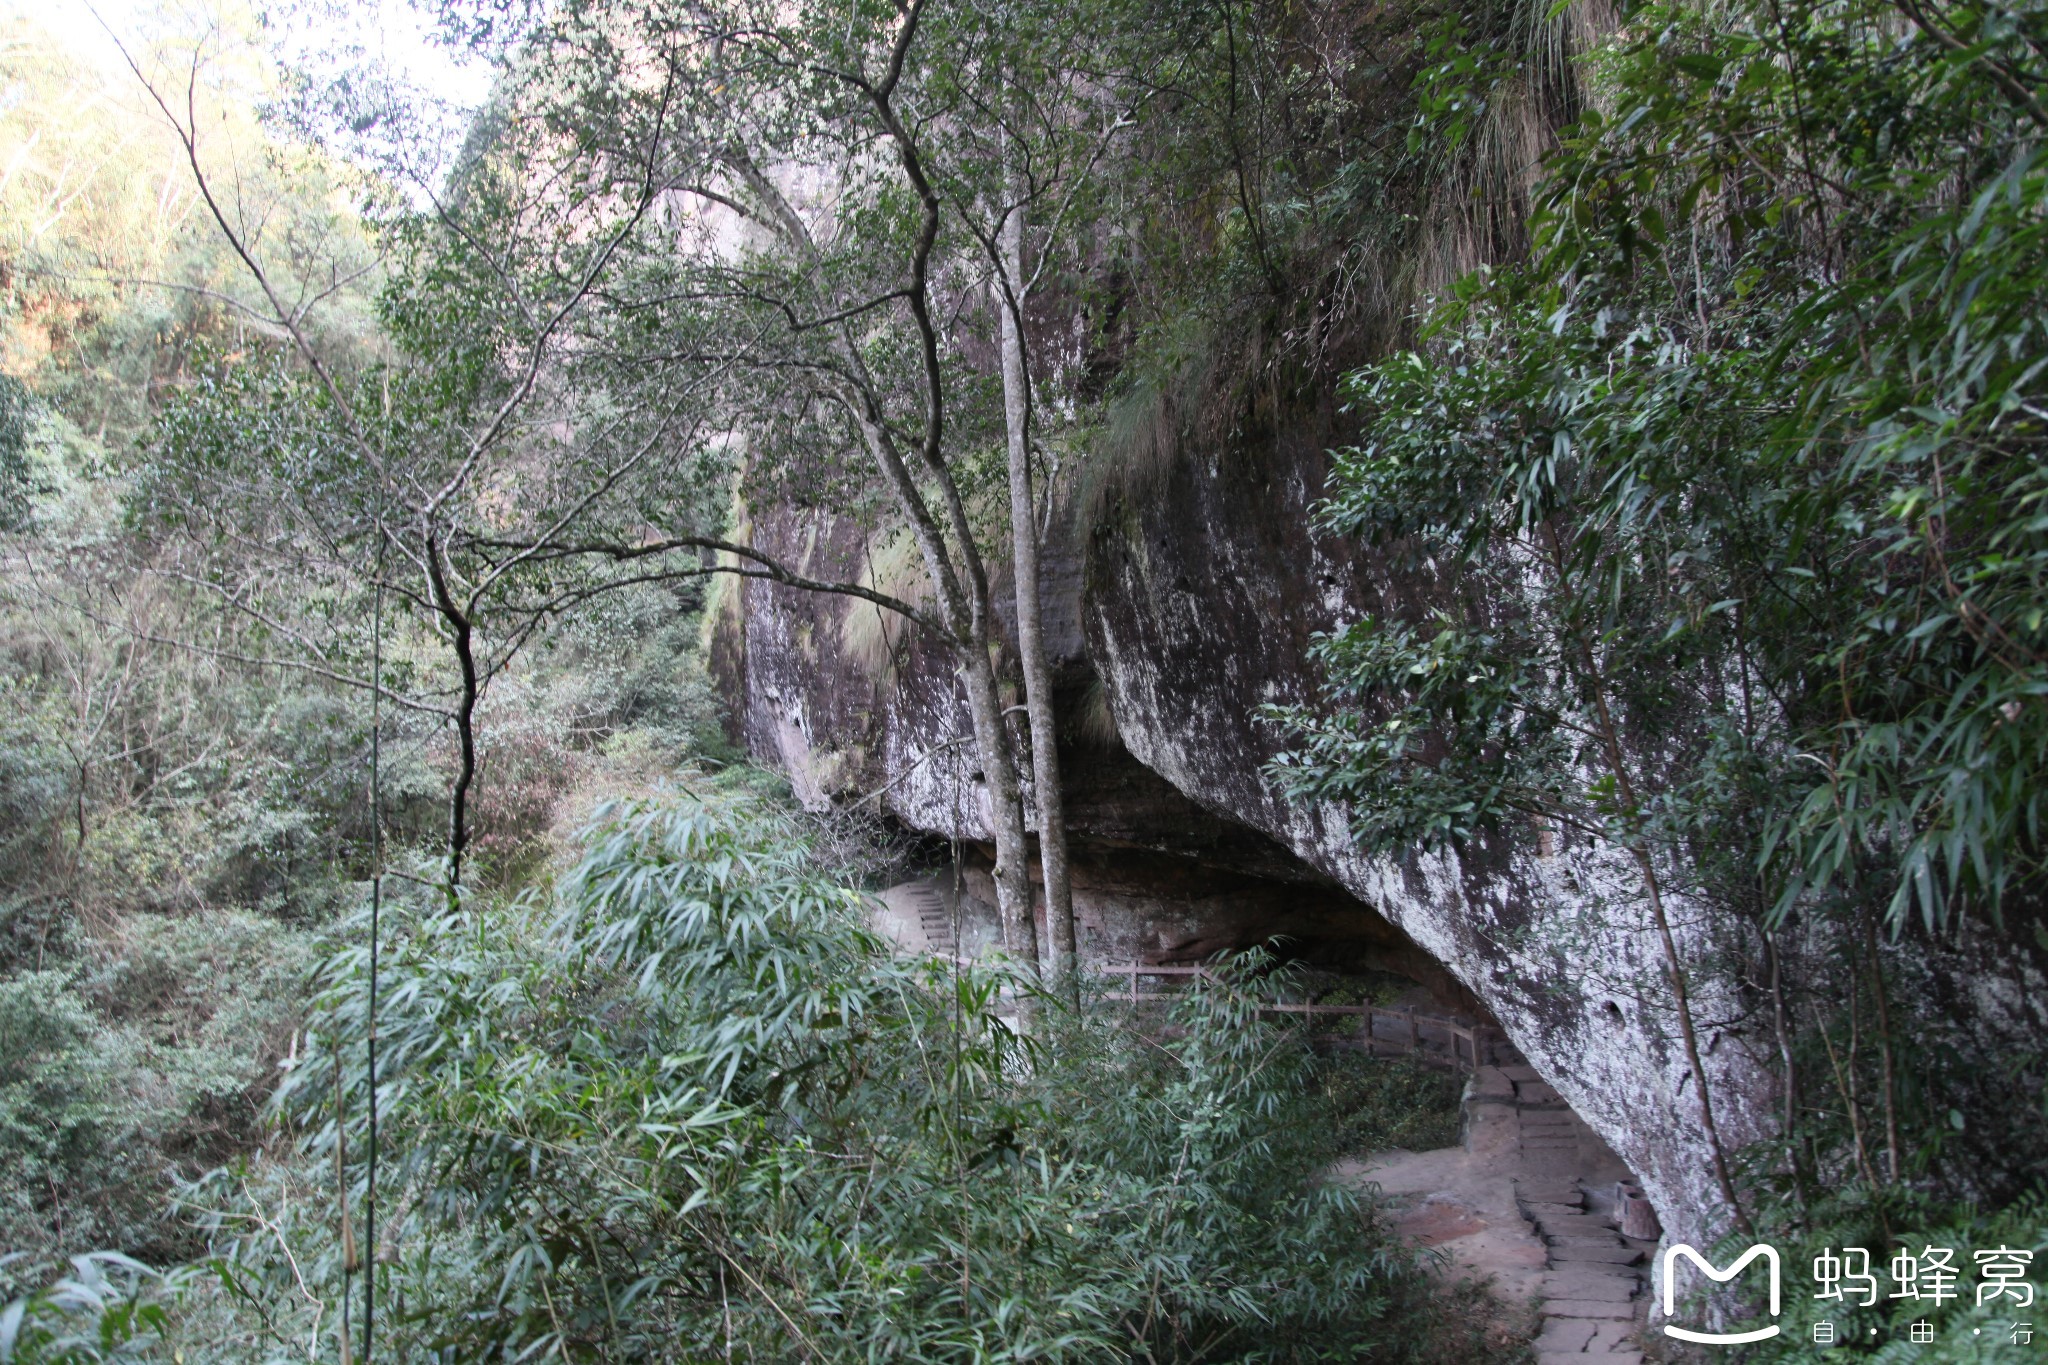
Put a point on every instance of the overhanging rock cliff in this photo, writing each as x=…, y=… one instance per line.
x=1177, y=609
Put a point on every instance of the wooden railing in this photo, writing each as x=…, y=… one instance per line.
x=1379, y=1030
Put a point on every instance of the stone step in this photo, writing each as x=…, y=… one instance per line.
x=1614, y=1336
x=1564, y=1335
x=1573, y=1222
x=1581, y=1283
x=1519, y=1072
x=1595, y=1255
x=1545, y=1212
x=1550, y=1191
x=1618, y=1310
x=1554, y=1161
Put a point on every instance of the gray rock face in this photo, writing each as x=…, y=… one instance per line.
x=1184, y=607
x=1201, y=606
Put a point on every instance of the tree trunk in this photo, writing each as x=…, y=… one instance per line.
x=962, y=590
x=461, y=638
x=958, y=574
x=1639, y=850
x=1005, y=807
x=1038, y=704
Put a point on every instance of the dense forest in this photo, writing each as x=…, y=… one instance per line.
x=403, y=954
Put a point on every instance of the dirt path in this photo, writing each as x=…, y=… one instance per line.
x=1527, y=1204
x=1524, y=1204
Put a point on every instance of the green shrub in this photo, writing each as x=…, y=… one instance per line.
x=151, y=1064
x=107, y=1307
x=65, y=1131
x=695, y=1106
x=1387, y=1103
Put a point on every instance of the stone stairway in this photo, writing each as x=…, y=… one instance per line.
x=1591, y=1286
x=1590, y=1289
x=932, y=916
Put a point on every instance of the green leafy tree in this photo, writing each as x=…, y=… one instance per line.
x=1729, y=498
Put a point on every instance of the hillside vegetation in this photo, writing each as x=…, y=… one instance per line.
x=365, y=489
